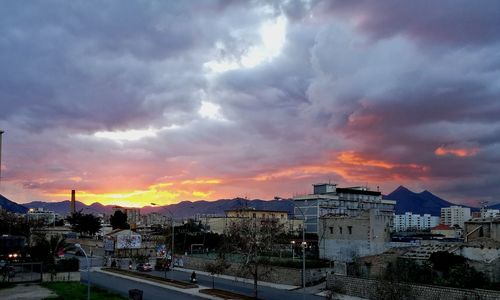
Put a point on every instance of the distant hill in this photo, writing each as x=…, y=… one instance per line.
x=184, y=209
x=418, y=203
x=12, y=206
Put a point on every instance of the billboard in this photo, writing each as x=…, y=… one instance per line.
x=128, y=241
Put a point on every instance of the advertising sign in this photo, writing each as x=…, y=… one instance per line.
x=128, y=241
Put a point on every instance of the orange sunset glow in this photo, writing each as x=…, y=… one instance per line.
x=166, y=101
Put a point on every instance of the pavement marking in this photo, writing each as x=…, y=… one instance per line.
x=192, y=291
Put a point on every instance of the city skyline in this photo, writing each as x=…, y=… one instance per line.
x=163, y=101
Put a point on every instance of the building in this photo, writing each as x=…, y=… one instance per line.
x=344, y=237
x=414, y=222
x=153, y=218
x=446, y=231
x=47, y=217
x=220, y=224
x=329, y=199
x=482, y=228
x=455, y=215
x=133, y=214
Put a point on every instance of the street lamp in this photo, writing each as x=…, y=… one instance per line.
x=172, y=226
x=303, y=245
x=88, y=269
x=293, y=250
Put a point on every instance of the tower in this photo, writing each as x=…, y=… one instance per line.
x=73, y=200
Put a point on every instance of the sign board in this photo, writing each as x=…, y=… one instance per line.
x=109, y=244
x=128, y=241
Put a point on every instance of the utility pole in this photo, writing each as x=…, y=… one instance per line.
x=1, y=133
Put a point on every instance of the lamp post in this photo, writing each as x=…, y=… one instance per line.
x=88, y=270
x=172, y=226
x=293, y=250
x=303, y=245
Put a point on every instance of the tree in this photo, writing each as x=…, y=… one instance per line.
x=46, y=249
x=444, y=261
x=218, y=266
x=84, y=223
x=119, y=220
x=252, y=241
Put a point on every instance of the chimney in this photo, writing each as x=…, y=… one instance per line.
x=73, y=208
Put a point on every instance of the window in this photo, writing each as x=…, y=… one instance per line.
x=349, y=228
x=340, y=229
x=331, y=230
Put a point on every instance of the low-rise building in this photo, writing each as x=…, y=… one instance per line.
x=344, y=237
x=446, y=231
x=481, y=228
x=220, y=224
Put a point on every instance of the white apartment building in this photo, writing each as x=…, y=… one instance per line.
x=490, y=213
x=327, y=198
x=455, y=215
x=410, y=221
x=48, y=217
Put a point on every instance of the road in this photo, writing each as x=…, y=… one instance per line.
x=122, y=286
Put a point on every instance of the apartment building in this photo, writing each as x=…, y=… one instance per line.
x=414, y=222
x=455, y=215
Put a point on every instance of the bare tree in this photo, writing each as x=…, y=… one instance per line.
x=251, y=240
x=216, y=267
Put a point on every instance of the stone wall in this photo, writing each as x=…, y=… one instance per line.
x=279, y=275
x=61, y=276
x=366, y=288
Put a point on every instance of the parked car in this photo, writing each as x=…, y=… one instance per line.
x=144, y=267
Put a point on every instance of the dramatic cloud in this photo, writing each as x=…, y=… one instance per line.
x=162, y=101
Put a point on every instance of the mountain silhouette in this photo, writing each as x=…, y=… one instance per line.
x=12, y=206
x=418, y=203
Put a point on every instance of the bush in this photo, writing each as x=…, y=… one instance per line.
x=68, y=265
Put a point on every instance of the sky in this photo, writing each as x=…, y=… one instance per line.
x=133, y=102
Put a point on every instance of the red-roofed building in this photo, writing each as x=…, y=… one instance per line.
x=446, y=231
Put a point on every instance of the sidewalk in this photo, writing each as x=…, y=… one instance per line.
x=241, y=279
x=191, y=291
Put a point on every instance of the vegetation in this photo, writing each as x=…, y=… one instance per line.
x=443, y=268
x=87, y=224
x=78, y=291
x=46, y=249
x=119, y=220
x=217, y=267
x=251, y=239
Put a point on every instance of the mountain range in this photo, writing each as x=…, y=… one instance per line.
x=12, y=206
x=406, y=201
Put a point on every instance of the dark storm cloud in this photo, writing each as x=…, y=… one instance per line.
x=386, y=92
x=455, y=22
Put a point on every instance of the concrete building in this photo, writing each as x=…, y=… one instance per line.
x=455, y=215
x=154, y=218
x=446, y=231
x=133, y=214
x=343, y=237
x=414, y=222
x=329, y=199
x=48, y=217
x=482, y=228
x=220, y=224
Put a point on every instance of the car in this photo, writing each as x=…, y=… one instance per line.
x=144, y=267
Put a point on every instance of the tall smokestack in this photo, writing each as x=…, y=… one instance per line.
x=73, y=208
x=1, y=133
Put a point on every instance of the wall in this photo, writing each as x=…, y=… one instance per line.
x=279, y=275
x=62, y=276
x=366, y=288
